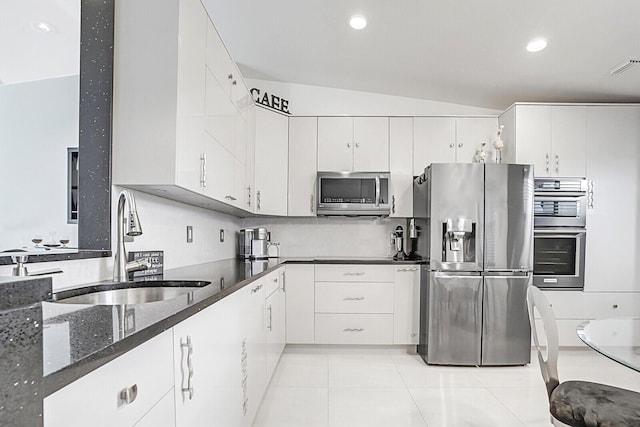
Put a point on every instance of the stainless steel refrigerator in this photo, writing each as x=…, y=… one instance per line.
x=477, y=235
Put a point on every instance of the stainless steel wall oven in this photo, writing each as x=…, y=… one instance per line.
x=559, y=232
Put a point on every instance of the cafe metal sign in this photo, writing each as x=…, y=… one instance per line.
x=271, y=101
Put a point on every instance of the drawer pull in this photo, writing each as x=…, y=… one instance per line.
x=408, y=269
x=129, y=394
x=354, y=330
x=353, y=298
x=256, y=289
x=615, y=306
x=414, y=335
x=354, y=274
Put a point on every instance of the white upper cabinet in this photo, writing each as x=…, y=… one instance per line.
x=434, y=141
x=180, y=106
x=612, y=260
x=552, y=138
x=303, y=145
x=271, y=154
x=471, y=132
x=358, y=144
x=452, y=140
x=401, y=166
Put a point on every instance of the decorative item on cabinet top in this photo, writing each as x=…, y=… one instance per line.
x=272, y=101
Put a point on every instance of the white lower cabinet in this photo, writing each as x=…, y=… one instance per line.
x=254, y=361
x=300, y=299
x=366, y=304
x=120, y=392
x=208, y=365
x=406, y=305
x=162, y=414
x=275, y=322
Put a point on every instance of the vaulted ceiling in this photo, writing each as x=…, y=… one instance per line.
x=469, y=52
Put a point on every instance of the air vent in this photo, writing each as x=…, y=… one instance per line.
x=621, y=68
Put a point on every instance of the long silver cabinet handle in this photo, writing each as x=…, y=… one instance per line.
x=354, y=274
x=269, y=326
x=353, y=298
x=258, y=199
x=284, y=281
x=256, y=289
x=189, y=388
x=204, y=169
x=249, y=194
x=129, y=394
x=354, y=330
x=393, y=204
x=311, y=205
x=590, y=194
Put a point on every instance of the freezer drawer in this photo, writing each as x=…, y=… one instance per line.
x=454, y=319
x=506, y=335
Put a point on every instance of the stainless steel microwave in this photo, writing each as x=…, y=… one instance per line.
x=353, y=193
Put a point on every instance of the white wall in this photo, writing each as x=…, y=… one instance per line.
x=306, y=100
x=38, y=122
x=330, y=236
x=164, y=225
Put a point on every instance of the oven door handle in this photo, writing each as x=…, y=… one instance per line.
x=377, y=191
x=560, y=233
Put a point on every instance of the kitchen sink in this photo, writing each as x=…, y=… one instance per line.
x=130, y=292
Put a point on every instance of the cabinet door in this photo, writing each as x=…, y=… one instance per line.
x=94, y=400
x=401, y=166
x=568, y=140
x=434, y=140
x=303, y=144
x=533, y=137
x=218, y=61
x=275, y=326
x=612, y=260
x=253, y=345
x=215, y=356
x=218, y=170
x=250, y=161
x=371, y=144
x=190, y=153
x=470, y=133
x=192, y=36
x=335, y=144
x=406, y=305
x=299, y=294
x=271, y=162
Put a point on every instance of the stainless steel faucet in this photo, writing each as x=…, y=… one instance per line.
x=121, y=267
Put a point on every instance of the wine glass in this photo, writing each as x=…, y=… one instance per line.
x=37, y=239
x=64, y=240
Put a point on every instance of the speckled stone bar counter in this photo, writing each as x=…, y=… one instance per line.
x=21, y=385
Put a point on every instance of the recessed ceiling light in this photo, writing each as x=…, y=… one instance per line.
x=42, y=26
x=536, y=45
x=358, y=22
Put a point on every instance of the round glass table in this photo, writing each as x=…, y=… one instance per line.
x=618, y=339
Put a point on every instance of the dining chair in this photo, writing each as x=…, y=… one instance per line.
x=577, y=403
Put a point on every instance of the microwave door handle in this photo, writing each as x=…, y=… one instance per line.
x=377, y=191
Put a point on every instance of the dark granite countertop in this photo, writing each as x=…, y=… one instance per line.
x=79, y=338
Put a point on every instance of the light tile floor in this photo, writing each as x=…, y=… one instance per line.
x=390, y=387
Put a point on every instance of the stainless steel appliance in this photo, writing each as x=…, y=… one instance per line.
x=477, y=234
x=398, y=240
x=353, y=193
x=559, y=232
x=253, y=243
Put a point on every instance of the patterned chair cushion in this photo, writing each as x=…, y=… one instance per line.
x=586, y=404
